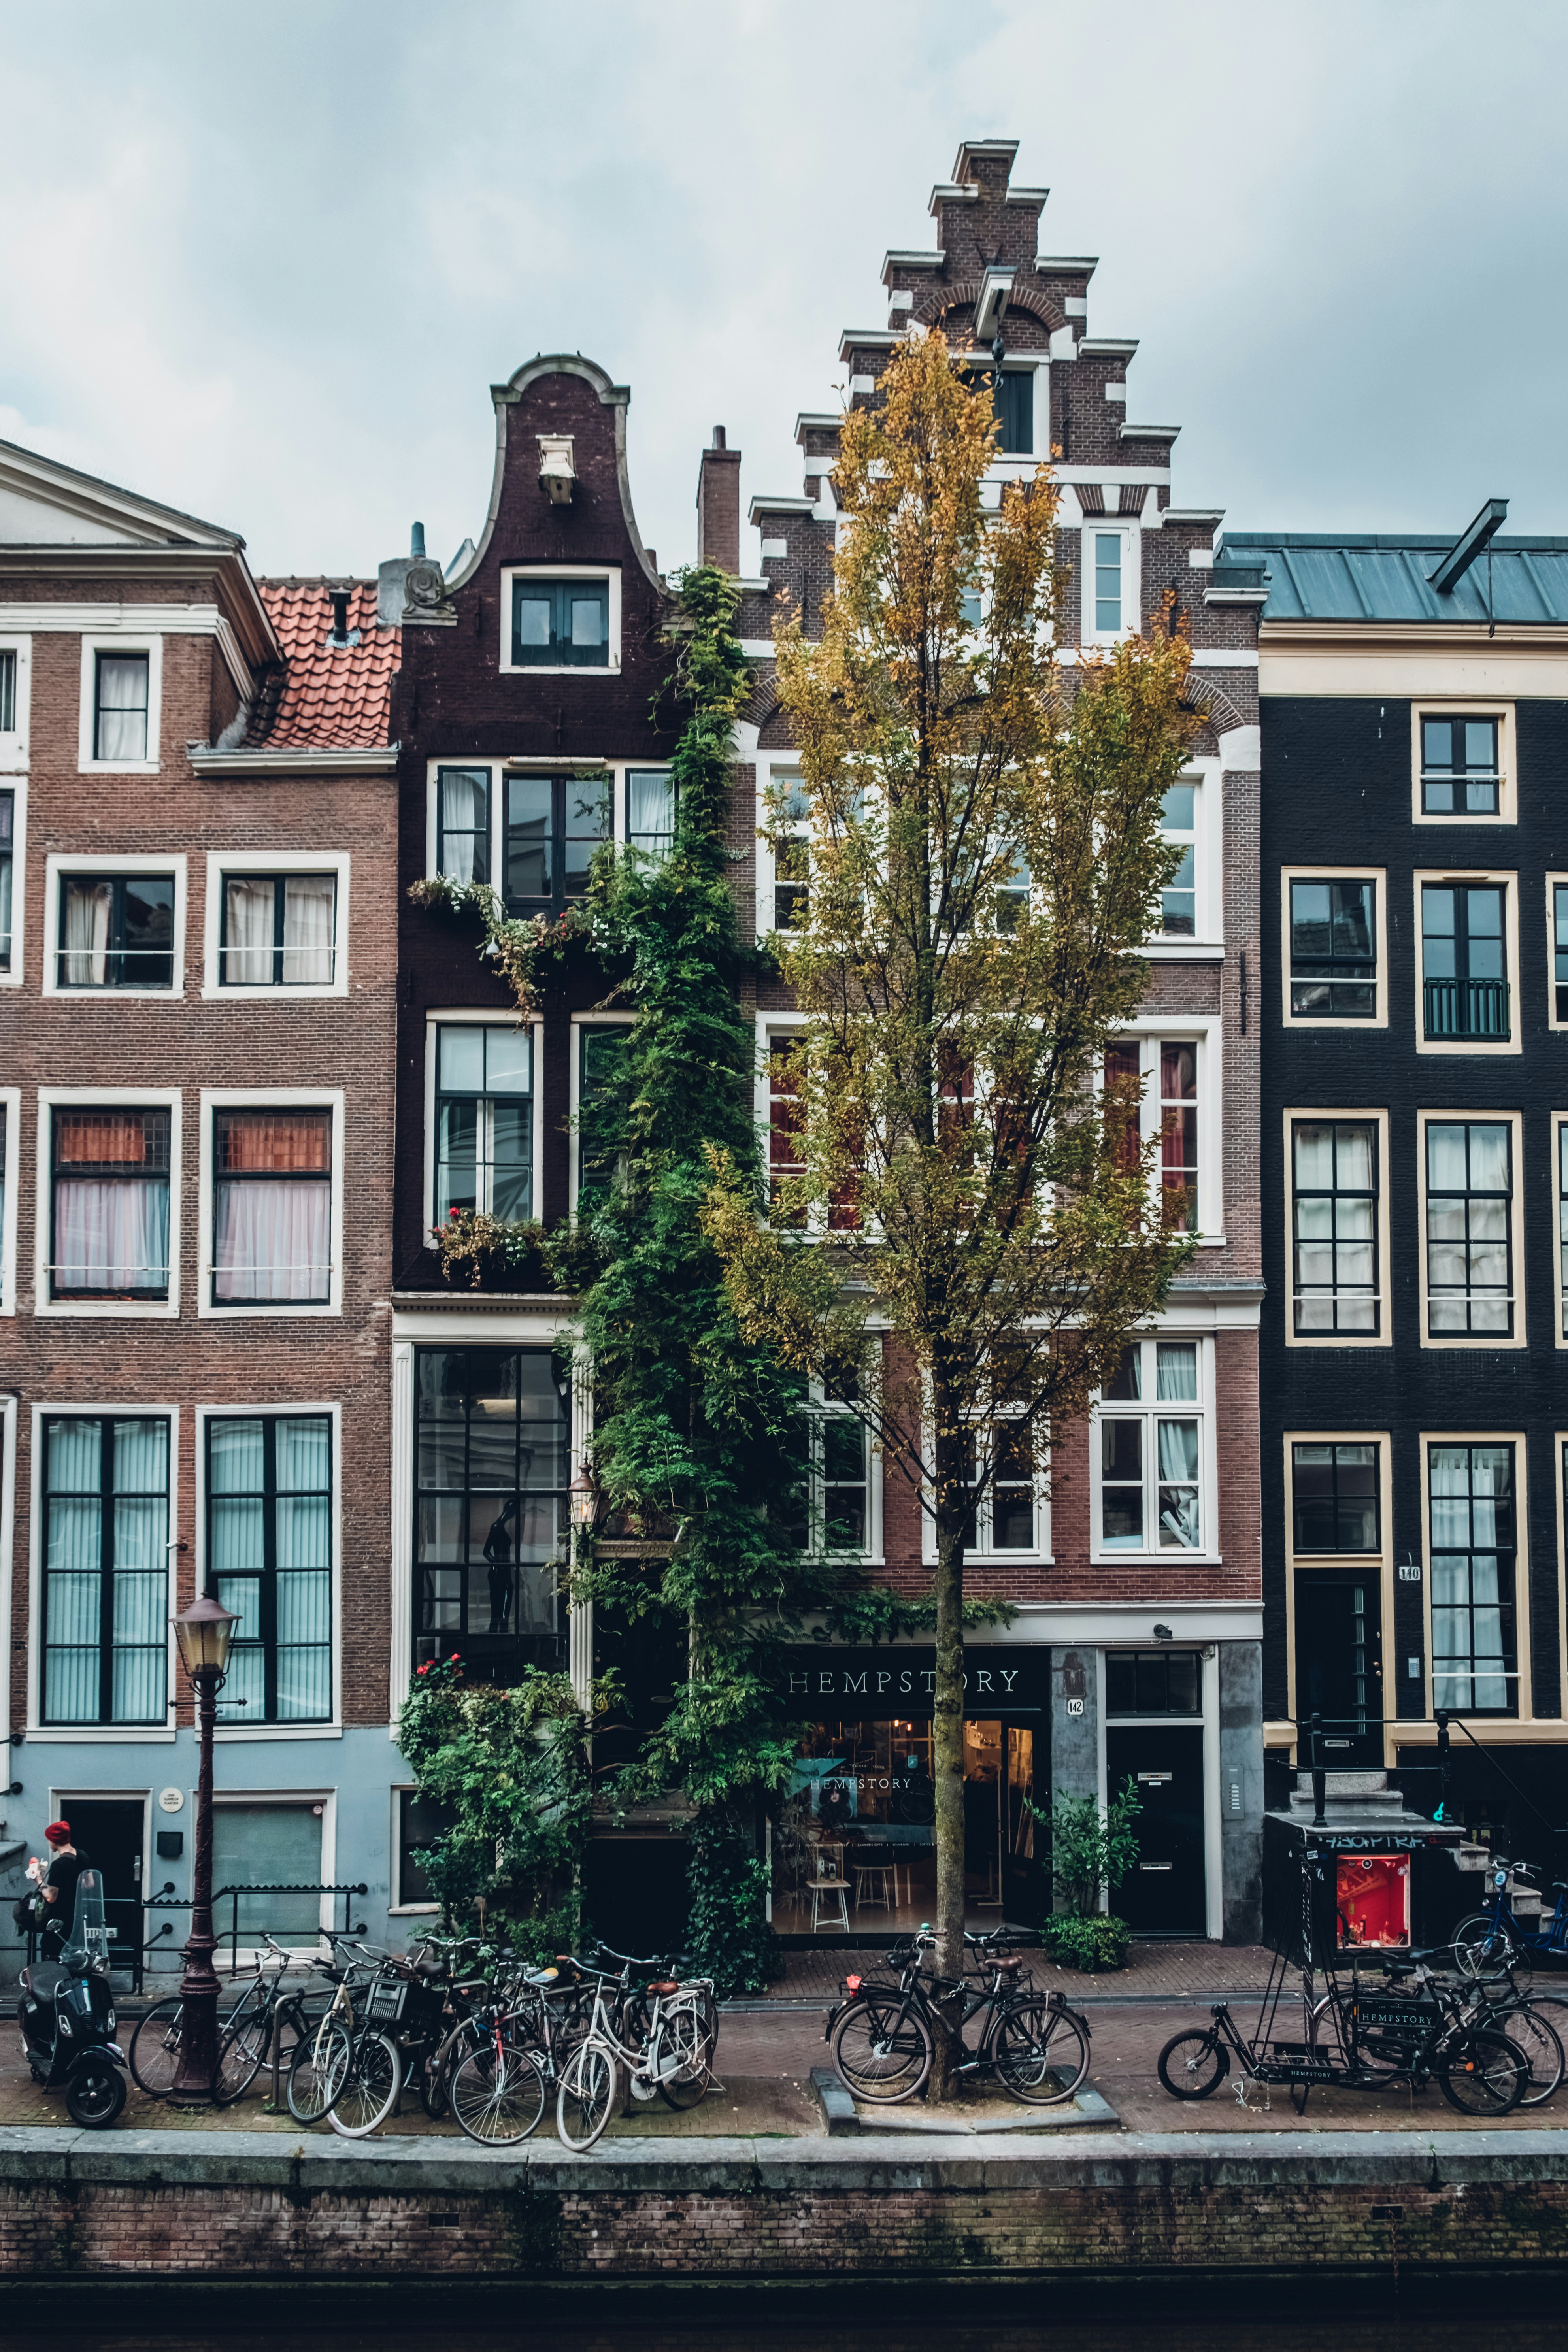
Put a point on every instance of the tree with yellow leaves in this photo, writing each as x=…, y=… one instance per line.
x=973, y=1229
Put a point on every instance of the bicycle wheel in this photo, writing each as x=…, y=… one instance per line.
x=682, y=2062
x=1482, y=2075
x=1193, y=2065
x=235, y=2069
x=883, y=2048
x=1041, y=2052
x=497, y=2095
x=1537, y=2039
x=436, y=2086
x=155, y=2050
x=586, y=2098
x=319, y=2062
x=1482, y=1947
x=368, y=2091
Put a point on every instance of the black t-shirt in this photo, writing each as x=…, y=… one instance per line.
x=64, y=1872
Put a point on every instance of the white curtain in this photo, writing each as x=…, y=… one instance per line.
x=274, y=1240
x=122, y=707
x=247, y=931
x=140, y=1652
x=650, y=809
x=463, y=800
x=304, y=1651
x=1178, y=1465
x=87, y=908
x=71, y=1618
x=310, y=902
x=5, y=910
x=110, y=1233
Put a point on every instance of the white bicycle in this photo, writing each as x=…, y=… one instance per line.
x=672, y=2055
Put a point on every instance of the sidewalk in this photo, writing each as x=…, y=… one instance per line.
x=1193, y=1970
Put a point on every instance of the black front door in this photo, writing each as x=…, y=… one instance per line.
x=1163, y=1894
x=108, y=1831
x=1339, y=1667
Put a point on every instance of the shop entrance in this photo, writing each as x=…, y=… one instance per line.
x=861, y=1812
x=110, y=1831
x=1164, y=1892
x=1338, y=1666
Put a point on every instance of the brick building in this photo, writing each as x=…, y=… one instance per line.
x=198, y=983
x=522, y=714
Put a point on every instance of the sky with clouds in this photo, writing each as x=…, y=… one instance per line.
x=265, y=268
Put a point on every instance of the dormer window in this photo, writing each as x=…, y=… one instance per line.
x=1013, y=399
x=560, y=623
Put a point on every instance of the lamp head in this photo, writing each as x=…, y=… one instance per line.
x=206, y=1630
x=582, y=1499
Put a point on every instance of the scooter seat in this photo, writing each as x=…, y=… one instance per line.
x=44, y=1979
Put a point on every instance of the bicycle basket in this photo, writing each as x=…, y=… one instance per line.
x=388, y=2000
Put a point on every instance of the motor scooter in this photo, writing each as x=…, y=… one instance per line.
x=66, y=2016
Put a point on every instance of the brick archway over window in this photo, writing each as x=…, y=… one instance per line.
x=1200, y=693
x=966, y=294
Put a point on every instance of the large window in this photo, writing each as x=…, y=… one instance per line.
x=601, y=1106
x=1470, y=1498
x=1333, y=949
x=116, y=931
x=106, y=1530
x=1179, y=827
x=837, y=1514
x=269, y=1560
x=1559, y=952
x=484, y=1120
x=1470, y=1238
x=1459, y=771
x=650, y=810
x=493, y=1446
x=560, y=623
x=8, y=862
x=272, y=1207
x=553, y=825
x=790, y=824
x=110, y=1211
x=273, y=1847
x=463, y=824
x=1334, y=1207
x=1334, y=1498
x=279, y=931
x=1464, y=960
x=1164, y=1071
x=1151, y=1420
x=119, y=707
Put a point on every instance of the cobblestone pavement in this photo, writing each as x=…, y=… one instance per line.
x=1177, y=1968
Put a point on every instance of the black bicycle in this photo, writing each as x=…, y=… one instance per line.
x=884, y=2036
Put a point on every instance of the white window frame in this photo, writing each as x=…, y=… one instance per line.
x=1378, y=877
x=1460, y=878
x=138, y=1310
x=130, y=642
x=1206, y=778
x=1148, y=1409
x=771, y=773
x=217, y=1099
x=1559, y=1239
x=331, y=1727
x=1126, y=528
x=1455, y=705
x=432, y=808
x=10, y=1172
x=1384, y=1336
x=13, y=740
x=328, y=1800
x=1514, y=1121
x=1007, y=464
x=97, y=1735
x=240, y=862
x=56, y=867
x=610, y=573
x=1206, y=1031
x=580, y=1021
x=18, y=787
x=872, y=1556
x=1556, y=879
x=483, y=1017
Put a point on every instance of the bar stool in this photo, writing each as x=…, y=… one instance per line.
x=828, y=1890
x=875, y=1863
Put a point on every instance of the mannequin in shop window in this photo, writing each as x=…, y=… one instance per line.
x=497, y=1552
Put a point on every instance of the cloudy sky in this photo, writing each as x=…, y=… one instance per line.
x=265, y=267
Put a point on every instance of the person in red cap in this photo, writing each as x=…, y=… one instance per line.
x=59, y=1886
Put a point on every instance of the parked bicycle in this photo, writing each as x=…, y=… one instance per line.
x=1495, y=1937
x=884, y=2036
x=659, y=2029
x=260, y=2007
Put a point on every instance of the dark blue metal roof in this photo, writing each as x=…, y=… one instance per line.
x=1384, y=576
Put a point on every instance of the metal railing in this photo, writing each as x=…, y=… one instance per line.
x=1467, y=1008
x=232, y=1894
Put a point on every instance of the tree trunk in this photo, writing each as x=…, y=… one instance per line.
x=947, y=1732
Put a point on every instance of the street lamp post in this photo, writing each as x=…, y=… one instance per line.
x=204, y=1630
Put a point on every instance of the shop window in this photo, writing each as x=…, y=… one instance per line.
x=493, y=1430
x=1153, y=1682
x=277, y=1849
x=1150, y=1449
x=1470, y=1502
x=1334, y=1190
x=106, y=1524
x=1334, y=1498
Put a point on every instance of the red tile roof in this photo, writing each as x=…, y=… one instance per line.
x=330, y=698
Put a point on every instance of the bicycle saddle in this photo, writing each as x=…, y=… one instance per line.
x=664, y=1984
x=1008, y=1968
x=542, y=1976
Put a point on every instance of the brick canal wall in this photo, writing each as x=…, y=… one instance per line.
x=204, y=2207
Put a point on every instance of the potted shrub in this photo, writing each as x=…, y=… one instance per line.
x=1091, y=1854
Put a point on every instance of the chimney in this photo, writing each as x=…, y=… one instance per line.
x=719, y=506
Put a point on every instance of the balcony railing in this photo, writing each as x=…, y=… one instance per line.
x=1467, y=1008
